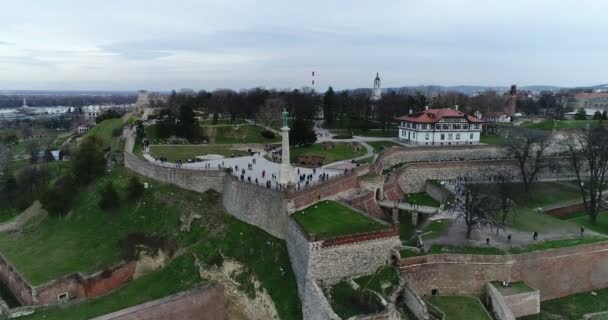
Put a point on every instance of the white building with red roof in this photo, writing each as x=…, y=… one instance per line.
x=440, y=127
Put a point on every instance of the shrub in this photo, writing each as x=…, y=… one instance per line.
x=268, y=134
x=117, y=132
x=343, y=136
x=109, y=197
x=135, y=188
x=57, y=200
x=89, y=161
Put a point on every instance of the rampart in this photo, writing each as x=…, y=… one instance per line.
x=394, y=156
x=190, y=179
x=305, y=197
x=256, y=205
x=206, y=302
x=555, y=273
x=70, y=287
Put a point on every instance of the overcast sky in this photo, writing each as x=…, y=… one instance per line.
x=203, y=44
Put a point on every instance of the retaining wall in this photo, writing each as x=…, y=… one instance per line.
x=498, y=305
x=256, y=205
x=305, y=197
x=555, y=273
x=566, y=210
x=366, y=202
x=206, y=302
x=190, y=179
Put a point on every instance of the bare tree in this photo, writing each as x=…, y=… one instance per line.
x=588, y=151
x=269, y=113
x=528, y=148
x=476, y=208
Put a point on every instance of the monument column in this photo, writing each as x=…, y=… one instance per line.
x=286, y=174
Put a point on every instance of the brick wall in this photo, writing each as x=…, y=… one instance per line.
x=565, y=210
x=366, y=202
x=20, y=288
x=555, y=273
x=391, y=188
x=206, y=302
x=111, y=279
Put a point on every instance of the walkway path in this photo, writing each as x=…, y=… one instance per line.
x=408, y=207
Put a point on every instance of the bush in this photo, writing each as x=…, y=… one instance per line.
x=268, y=134
x=135, y=188
x=57, y=200
x=117, y=132
x=343, y=136
x=89, y=161
x=109, y=197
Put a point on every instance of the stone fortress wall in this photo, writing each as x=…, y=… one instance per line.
x=555, y=273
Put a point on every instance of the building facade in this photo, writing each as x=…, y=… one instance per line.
x=440, y=127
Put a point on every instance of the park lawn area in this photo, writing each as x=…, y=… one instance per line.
x=350, y=124
x=460, y=307
x=238, y=134
x=561, y=124
x=528, y=219
x=601, y=225
x=514, y=288
x=541, y=125
x=340, y=151
x=421, y=198
x=103, y=131
x=572, y=307
x=181, y=274
x=541, y=193
x=381, y=145
x=329, y=219
x=491, y=139
x=185, y=152
x=436, y=229
x=377, y=133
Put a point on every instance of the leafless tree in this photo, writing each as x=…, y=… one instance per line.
x=269, y=113
x=528, y=148
x=588, y=151
x=476, y=208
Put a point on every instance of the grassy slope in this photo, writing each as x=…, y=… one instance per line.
x=341, y=151
x=240, y=134
x=600, y=226
x=572, y=307
x=421, y=198
x=329, y=219
x=381, y=145
x=460, y=307
x=104, y=130
x=185, y=152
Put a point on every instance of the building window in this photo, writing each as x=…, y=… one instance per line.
x=449, y=136
x=443, y=136
x=471, y=136
x=458, y=136
x=63, y=297
x=426, y=137
x=414, y=135
x=446, y=127
x=429, y=126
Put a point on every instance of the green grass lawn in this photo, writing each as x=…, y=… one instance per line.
x=572, y=307
x=329, y=219
x=350, y=124
x=103, y=131
x=185, y=152
x=406, y=229
x=541, y=193
x=381, y=145
x=601, y=225
x=436, y=229
x=514, y=288
x=530, y=220
x=561, y=124
x=421, y=198
x=541, y=125
x=460, y=307
x=240, y=134
x=340, y=151
x=389, y=133
x=491, y=139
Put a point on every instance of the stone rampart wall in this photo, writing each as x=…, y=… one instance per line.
x=190, y=179
x=256, y=205
x=392, y=191
x=315, y=305
x=394, y=156
x=20, y=288
x=498, y=305
x=206, y=302
x=366, y=202
x=416, y=304
x=523, y=304
x=436, y=192
x=586, y=267
x=311, y=195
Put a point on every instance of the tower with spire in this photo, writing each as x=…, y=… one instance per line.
x=376, y=92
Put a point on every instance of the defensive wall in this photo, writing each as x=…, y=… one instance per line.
x=256, y=205
x=190, y=179
x=512, y=306
x=206, y=302
x=397, y=155
x=73, y=286
x=555, y=273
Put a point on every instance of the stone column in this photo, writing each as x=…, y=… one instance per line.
x=286, y=174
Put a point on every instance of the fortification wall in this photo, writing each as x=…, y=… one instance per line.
x=190, y=179
x=555, y=273
x=394, y=156
x=256, y=205
x=20, y=288
x=391, y=188
x=498, y=305
x=366, y=202
x=305, y=197
x=315, y=305
x=206, y=302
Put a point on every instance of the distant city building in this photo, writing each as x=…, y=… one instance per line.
x=497, y=117
x=439, y=127
x=377, y=91
x=511, y=107
x=93, y=111
x=589, y=113
x=83, y=129
x=143, y=100
x=594, y=100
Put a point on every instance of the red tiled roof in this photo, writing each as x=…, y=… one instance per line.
x=434, y=115
x=593, y=95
